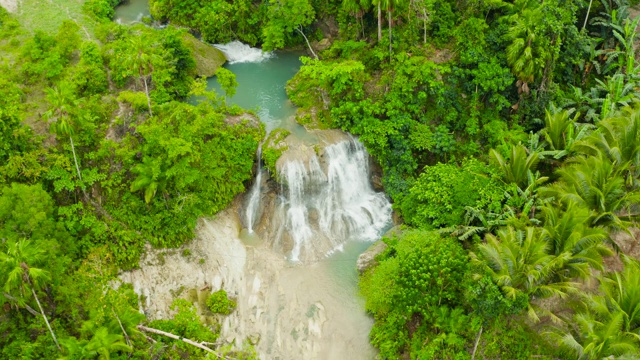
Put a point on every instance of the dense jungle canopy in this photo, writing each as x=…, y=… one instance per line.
x=507, y=134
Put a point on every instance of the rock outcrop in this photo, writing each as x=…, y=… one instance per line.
x=208, y=58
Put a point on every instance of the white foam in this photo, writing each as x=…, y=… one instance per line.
x=237, y=52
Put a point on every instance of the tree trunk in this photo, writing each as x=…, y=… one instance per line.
x=146, y=91
x=587, y=17
x=75, y=160
x=390, y=50
x=45, y=319
x=307, y=40
x=424, y=12
x=29, y=308
x=475, y=346
x=379, y=22
x=176, y=337
x=126, y=336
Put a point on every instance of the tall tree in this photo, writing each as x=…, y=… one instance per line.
x=285, y=17
x=62, y=111
x=141, y=57
x=18, y=262
x=227, y=81
x=526, y=54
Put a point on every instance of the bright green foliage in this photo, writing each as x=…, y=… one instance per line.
x=102, y=344
x=417, y=284
x=285, y=17
x=519, y=167
x=90, y=77
x=227, y=81
x=151, y=178
x=21, y=262
x=28, y=212
x=191, y=163
x=101, y=10
x=561, y=132
x=218, y=21
x=568, y=232
x=618, y=138
x=526, y=54
x=14, y=137
x=219, y=303
x=440, y=195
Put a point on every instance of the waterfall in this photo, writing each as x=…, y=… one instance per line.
x=253, y=204
x=326, y=202
x=237, y=52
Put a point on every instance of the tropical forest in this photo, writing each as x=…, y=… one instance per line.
x=309, y=179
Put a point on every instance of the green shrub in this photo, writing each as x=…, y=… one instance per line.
x=419, y=284
x=439, y=196
x=273, y=149
x=102, y=10
x=220, y=303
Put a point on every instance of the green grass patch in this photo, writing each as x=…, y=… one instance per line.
x=48, y=15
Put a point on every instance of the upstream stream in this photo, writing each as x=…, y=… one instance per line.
x=294, y=277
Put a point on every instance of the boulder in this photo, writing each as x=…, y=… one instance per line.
x=208, y=58
x=367, y=259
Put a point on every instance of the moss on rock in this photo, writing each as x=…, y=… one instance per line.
x=273, y=148
x=208, y=58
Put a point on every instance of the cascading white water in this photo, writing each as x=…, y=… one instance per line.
x=323, y=206
x=237, y=52
x=253, y=204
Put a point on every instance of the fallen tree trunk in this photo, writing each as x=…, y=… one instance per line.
x=176, y=337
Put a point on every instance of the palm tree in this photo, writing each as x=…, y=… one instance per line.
x=621, y=291
x=18, y=263
x=357, y=9
x=378, y=3
x=102, y=344
x=596, y=184
x=608, y=325
x=618, y=138
x=565, y=232
x=140, y=56
x=594, y=337
x=518, y=168
x=61, y=99
x=618, y=92
x=151, y=177
x=519, y=263
x=525, y=54
x=561, y=132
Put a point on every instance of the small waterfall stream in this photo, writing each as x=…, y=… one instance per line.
x=237, y=52
x=329, y=201
x=252, y=205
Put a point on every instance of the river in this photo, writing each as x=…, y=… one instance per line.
x=297, y=309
